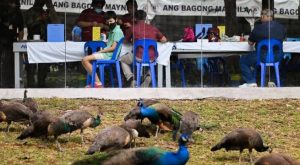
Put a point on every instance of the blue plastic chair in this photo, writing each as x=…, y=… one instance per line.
x=102, y=64
x=269, y=53
x=93, y=46
x=145, y=62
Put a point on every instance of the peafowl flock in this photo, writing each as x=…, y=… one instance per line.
x=112, y=138
x=276, y=159
x=151, y=155
x=159, y=114
x=15, y=112
x=80, y=120
x=240, y=139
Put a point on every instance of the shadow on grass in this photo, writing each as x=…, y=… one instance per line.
x=96, y=159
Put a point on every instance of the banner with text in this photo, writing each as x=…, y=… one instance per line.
x=245, y=8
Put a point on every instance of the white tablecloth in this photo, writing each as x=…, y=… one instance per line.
x=291, y=47
x=52, y=52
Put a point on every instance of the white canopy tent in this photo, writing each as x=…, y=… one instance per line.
x=245, y=8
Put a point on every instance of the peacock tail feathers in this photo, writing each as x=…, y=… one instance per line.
x=150, y=154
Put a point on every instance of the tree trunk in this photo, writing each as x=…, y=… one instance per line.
x=230, y=18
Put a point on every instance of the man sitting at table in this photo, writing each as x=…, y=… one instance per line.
x=114, y=36
x=138, y=31
x=264, y=30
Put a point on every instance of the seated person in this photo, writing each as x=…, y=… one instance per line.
x=92, y=17
x=128, y=19
x=114, y=36
x=138, y=31
x=264, y=30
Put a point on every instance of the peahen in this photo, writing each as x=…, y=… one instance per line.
x=152, y=155
x=39, y=125
x=159, y=114
x=240, y=139
x=189, y=123
x=146, y=102
x=44, y=125
x=15, y=112
x=112, y=138
x=29, y=102
x=276, y=159
x=138, y=126
x=80, y=120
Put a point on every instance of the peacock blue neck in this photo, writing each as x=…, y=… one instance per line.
x=178, y=158
x=97, y=121
x=150, y=113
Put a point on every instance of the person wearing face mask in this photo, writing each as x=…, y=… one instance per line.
x=114, y=35
x=92, y=17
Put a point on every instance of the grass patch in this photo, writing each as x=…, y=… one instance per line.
x=278, y=121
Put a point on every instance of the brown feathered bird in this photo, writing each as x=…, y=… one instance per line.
x=39, y=125
x=112, y=138
x=15, y=112
x=146, y=102
x=29, y=102
x=44, y=125
x=189, y=123
x=137, y=125
x=276, y=159
x=240, y=139
x=81, y=120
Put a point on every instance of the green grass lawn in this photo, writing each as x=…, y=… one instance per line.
x=278, y=121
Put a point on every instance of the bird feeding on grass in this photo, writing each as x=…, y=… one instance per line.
x=240, y=139
x=161, y=115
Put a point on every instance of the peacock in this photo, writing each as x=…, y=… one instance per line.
x=276, y=159
x=15, y=112
x=240, y=139
x=44, y=125
x=159, y=114
x=81, y=120
x=112, y=138
x=189, y=123
x=152, y=155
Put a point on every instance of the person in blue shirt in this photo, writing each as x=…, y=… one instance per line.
x=265, y=29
